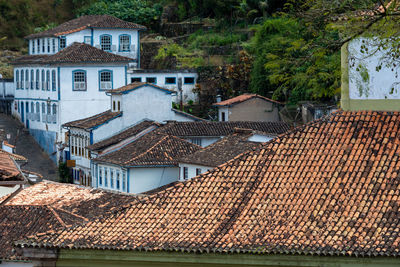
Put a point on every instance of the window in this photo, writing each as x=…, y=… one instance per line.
x=37, y=111
x=185, y=173
x=43, y=112
x=119, y=105
x=124, y=43
x=105, y=80
x=43, y=83
x=26, y=79
x=198, y=171
x=54, y=45
x=170, y=80
x=53, y=80
x=32, y=107
x=54, y=113
x=151, y=80
x=222, y=116
x=17, y=78
x=48, y=80
x=105, y=177
x=48, y=45
x=188, y=80
x=32, y=79
x=33, y=46
x=123, y=181
x=63, y=42
x=111, y=178
x=136, y=80
x=43, y=46
x=37, y=79
x=100, y=176
x=79, y=80
x=117, y=180
x=87, y=40
x=105, y=42
x=38, y=45
x=196, y=141
x=22, y=79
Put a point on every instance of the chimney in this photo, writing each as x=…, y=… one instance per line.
x=218, y=98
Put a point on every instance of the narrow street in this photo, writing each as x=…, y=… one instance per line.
x=38, y=161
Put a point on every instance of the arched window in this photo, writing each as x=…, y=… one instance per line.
x=32, y=107
x=105, y=42
x=38, y=45
x=22, y=79
x=48, y=80
x=43, y=112
x=43, y=83
x=79, y=80
x=37, y=79
x=33, y=46
x=124, y=43
x=17, y=79
x=26, y=79
x=105, y=79
x=53, y=80
x=32, y=78
x=37, y=111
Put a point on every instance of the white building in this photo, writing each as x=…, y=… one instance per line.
x=128, y=106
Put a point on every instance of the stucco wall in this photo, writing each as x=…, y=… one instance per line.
x=192, y=170
x=145, y=179
x=254, y=109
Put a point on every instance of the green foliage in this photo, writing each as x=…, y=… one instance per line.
x=201, y=38
x=294, y=63
x=184, y=58
x=64, y=173
x=136, y=11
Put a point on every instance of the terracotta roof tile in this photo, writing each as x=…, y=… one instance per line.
x=9, y=171
x=243, y=98
x=327, y=188
x=93, y=121
x=89, y=21
x=74, y=53
x=150, y=149
x=136, y=85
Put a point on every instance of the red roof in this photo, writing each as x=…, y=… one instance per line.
x=243, y=98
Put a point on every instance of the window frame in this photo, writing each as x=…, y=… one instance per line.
x=170, y=78
x=86, y=37
x=37, y=79
x=43, y=79
x=53, y=80
x=139, y=79
x=111, y=79
x=54, y=45
x=73, y=80
x=120, y=46
x=26, y=79
x=185, y=173
x=17, y=79
x=47, y=80
x=22, y=85
x=155, y=80
x=32, y=78
x=62, y=42
x=189, y=77
x=101, y=44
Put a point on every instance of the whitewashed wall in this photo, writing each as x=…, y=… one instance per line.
x=145, y=179
x=192, y=170
x=367, y=82
x=187, y=89
x=223, y=109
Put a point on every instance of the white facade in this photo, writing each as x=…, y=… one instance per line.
x=223, y=114
x=203, y=141
x=169, y=80
x=188, y=171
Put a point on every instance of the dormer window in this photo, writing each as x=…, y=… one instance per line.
x=124, y=43
x=105, y=42
x=79, y=77
x=54, y=45
x=63, y=42
x=105, y=80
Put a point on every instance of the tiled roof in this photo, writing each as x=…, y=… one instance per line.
x=242, y=98
x=221, y=128
x=93, y=121
x=9, y=171
x=82, y=201
x=14, y=156
x=221, y=151
x=136, y=85
x=132, y=131
x=74, y=53
x=331, y=187
x=20, y=221
x=151, y=149
x=84, y=22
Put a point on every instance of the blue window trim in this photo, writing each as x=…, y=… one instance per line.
x=110, y=42
x=22, y=79
x=73, y=74
x=17, y=79
x=48, y=80
x=194, y=80
x=53, y=80
x=26, y=79
x=59, y=42
x=89, y=37
x=170, y=78
x=43, y=80
x=155, y=82
x=119, y=43
x=37, y=81
x=58, y=83
x=32, y=79
x=136, y=78
x=112, y=78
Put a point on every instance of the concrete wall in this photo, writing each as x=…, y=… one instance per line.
x=254, y=109
x=145, y=179
x=187, y=89
x=192, y=170
x=363, y=87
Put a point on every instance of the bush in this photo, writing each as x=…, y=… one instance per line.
x=64, y=173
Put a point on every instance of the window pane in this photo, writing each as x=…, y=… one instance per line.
x=79, y=80
x=105, y=80
x=63, y=42
x=136, y=80
x=151, y=80
x=170, y=80
x=105, y=42
x=124, y=43
x=188, y=80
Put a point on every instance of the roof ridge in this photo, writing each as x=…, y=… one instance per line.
x=148, y=150
x=56, y=215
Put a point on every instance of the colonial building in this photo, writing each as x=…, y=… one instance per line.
x=248, y=107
